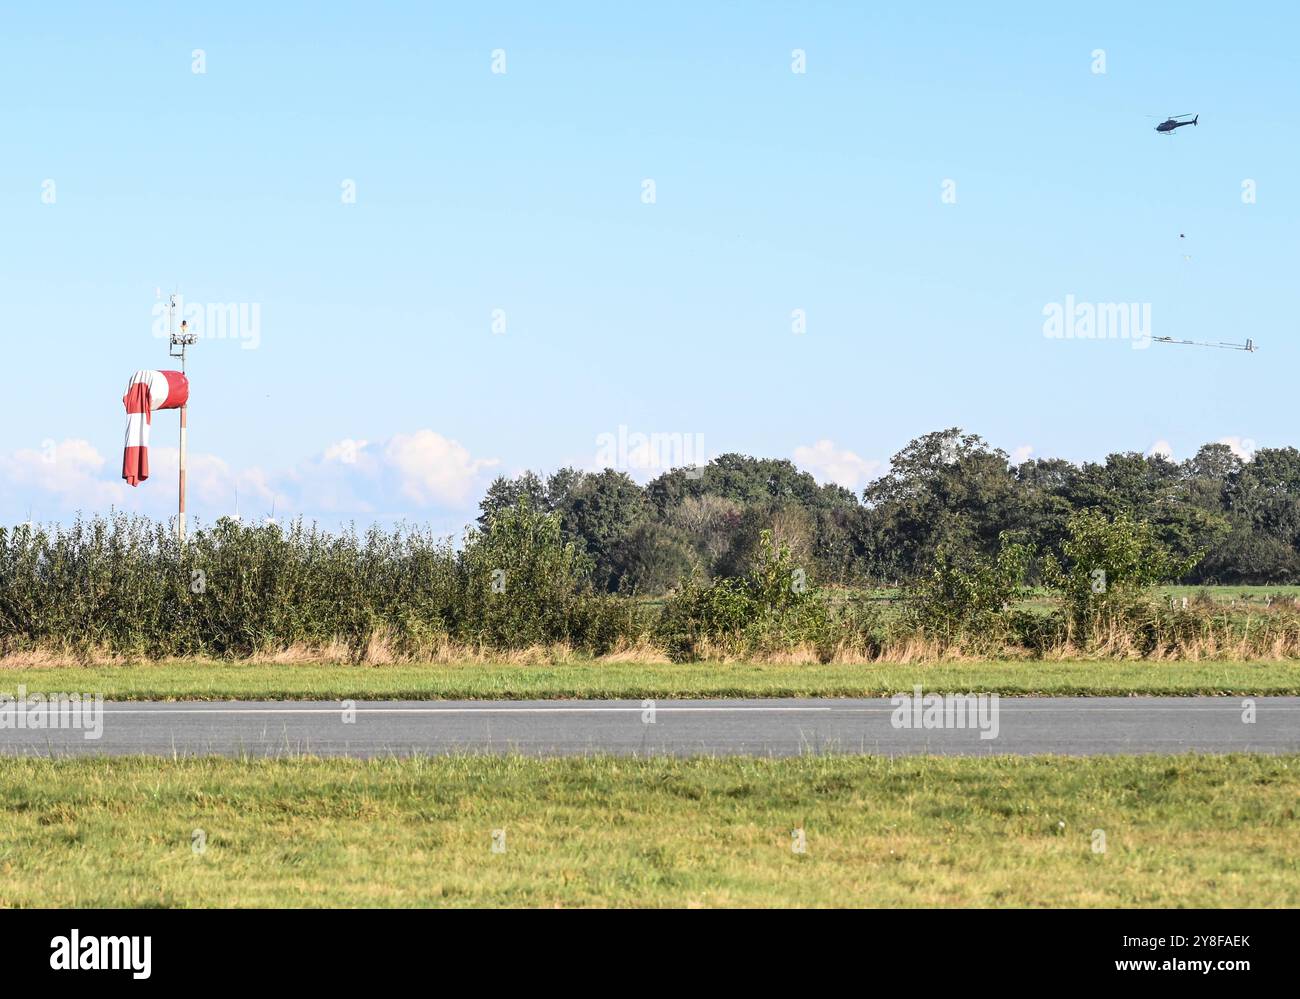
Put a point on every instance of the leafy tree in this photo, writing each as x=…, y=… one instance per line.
x=561, y=485
x=1266, y=492
x=1249, y=557
x=506, y=494
x=1208, y=474
x=773, y=606
x=840, y=551
x=653, y=557
x=521, y=582
x=1045, y=485
x=788, y=525
x=1152, y=489
x=1109, y=565
x=968, y=595
x=743, y=480
x=945, y=490
x=601, y=513
x=711, y=523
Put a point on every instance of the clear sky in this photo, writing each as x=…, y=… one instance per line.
x=375, y=385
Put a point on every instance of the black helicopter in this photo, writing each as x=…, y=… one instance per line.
x=1175, y=121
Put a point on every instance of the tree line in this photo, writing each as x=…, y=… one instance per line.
x=949, y=493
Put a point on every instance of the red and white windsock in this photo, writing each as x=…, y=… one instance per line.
x=147, y=391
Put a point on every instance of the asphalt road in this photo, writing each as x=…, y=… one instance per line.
x=1073, y=726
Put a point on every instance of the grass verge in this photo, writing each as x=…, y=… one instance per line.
x=995, y=831
x=201, y=680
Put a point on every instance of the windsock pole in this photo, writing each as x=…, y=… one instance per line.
x=180, y=522
x=180, y=340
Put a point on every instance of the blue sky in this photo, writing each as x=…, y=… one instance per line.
x=377, y=387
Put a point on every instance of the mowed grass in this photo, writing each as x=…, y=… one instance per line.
x=207, y=680
x=994, y=831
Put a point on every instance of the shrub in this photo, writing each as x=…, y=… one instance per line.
x=967, y=598
x=1109, y=567
x=773, y=607
x=123, y=585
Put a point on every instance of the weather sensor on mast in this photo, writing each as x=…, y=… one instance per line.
x=178, y=343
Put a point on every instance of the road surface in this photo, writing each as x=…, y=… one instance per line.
x=1074, y=726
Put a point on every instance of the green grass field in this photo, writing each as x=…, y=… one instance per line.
x=998, y=831
x=1040, y=598
x=1242, y=598
x=1217, y=593
x=1226, y=594
x=200, y=680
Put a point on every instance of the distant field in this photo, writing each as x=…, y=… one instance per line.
x=208, y=680
x=1041, y=831
x=1243, y=598
x=1227, y=594
x=1218, y=594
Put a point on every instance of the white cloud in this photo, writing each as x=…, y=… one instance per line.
x=1242, y=447
x=1162, y=448
x=66, y=475
x=433, y=470
x=420, y=470
x=210, y=482
x=1021, y=454
x=345, y=451
x=827, y=463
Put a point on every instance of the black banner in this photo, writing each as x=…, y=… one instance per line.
x=926, y=948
